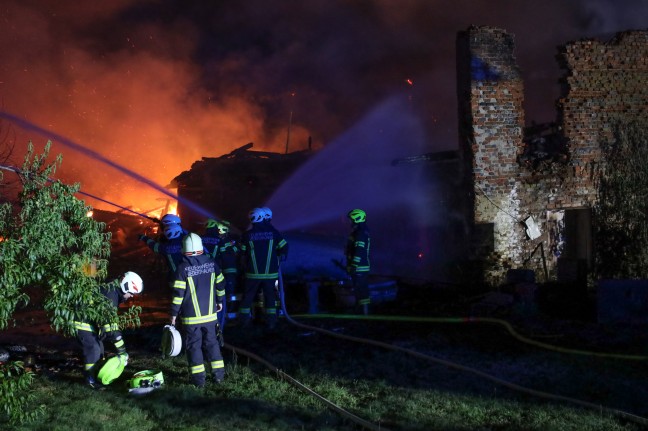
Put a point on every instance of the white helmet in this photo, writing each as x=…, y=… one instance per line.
x=267, y=213
x=173, y=231
x=192, y=245
x=131, y=283
x=256, y=215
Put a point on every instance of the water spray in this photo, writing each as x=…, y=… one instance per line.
x=91, y=153
x=18, y=171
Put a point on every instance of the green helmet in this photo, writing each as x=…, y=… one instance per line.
x=211, y=223
x=357, y=216
x=146, y=379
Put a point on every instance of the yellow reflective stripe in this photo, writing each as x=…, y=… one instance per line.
x=197, y=369
x=360, y=244
x=217, y=364
x=211, y=292
x=194, y=297
x=282, y=243
x=269, y=258
x=177, y=300
x=253, y=257
x=111, y=327
x=362, y=268
x=199, y=320
x=88, y=366
x=80, y=326
x=262, y=276
x=119, y=343
x=179, y=284
x=220, y=278
x=364, y=301
x=220, y=293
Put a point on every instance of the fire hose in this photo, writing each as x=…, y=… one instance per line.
x=620, y=413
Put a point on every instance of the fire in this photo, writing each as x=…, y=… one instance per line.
x=409, y=81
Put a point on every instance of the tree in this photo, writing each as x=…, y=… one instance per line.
x=621, y=211
x=48, y=242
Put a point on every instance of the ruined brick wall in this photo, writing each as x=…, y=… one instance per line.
x=605, y=81
x=491, y=126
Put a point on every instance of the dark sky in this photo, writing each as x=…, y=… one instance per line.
x=155, y=85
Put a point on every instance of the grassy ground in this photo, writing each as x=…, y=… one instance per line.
x=389, y=389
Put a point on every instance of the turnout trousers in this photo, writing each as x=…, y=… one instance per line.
x=199, y=339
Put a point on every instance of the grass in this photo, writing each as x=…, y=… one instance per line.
x=389, y=389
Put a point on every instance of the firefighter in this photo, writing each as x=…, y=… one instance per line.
x=171, y=249
x=357, y=258
x=262, y=247
x=91, y=335
x=267, y=219
x=223, y=247
x=198, y=293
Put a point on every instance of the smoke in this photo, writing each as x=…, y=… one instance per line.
x=155, y=85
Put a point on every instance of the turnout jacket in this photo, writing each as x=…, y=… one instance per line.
x=116, y=297
x=171, y=249
x=357, y=249
x=222, y=248
x=262, y=245
x=198, y=288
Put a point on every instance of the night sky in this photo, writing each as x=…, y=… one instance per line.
x=156, y=85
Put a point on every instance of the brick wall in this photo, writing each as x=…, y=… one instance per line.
x=603, y=82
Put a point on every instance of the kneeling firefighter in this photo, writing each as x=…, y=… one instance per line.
x=90, y=335
x=198, y=293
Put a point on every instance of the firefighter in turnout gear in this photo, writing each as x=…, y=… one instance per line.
x=198, y=293
x=90, y=335
x=357, y=258
x=223, y=247
x=171, y=249
x=262, y=247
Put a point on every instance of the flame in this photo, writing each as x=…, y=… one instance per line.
x=409, y=81
x=90, y=213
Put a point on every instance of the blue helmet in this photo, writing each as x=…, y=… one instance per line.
x=169, y=219
x=267, y=213
x=173, y=231
x=256, y=215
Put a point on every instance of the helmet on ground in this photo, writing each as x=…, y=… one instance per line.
x=223, y=227
x=211, y=223
x=256, y=215
x=145, y=381
x=168, y=219
x=267, y=213
x=131, y=283
x=192, y=245
x=173, y=231
x=357, y=216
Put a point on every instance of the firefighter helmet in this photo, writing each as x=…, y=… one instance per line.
x=223, y=227
x=173, y=231
x=131, y=283
x=267, y=213
x=357, y=216
x=168, y=219
x=211, y=223
x=192, y=245
x=145, y=381
x=256, y=215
